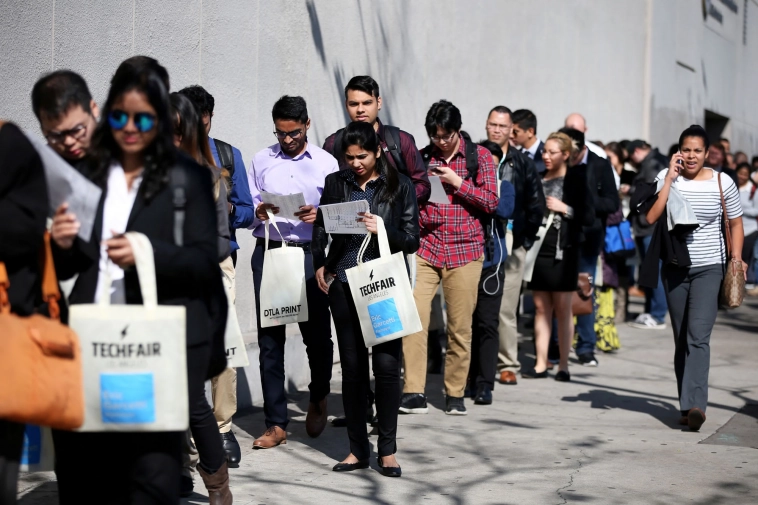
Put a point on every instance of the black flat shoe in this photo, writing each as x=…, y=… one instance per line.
x=389, y=471
x=562, y=376
x=532, y=374
x=349, y=467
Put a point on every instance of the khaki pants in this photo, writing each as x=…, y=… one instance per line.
x=459, y=286
x=224, y=386
x=507, y=358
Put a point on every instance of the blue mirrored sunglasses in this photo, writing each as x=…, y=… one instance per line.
x=143, y=121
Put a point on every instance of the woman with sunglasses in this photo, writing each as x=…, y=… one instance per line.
x=392, y=197
x=134, y=160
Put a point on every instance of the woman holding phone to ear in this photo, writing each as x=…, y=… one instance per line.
x=692, y=283
x=392, y=197
x=133, y=158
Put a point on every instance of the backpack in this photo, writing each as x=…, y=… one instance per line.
x=391, y=140
x=226, y=157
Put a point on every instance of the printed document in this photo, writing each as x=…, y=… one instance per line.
x=342, y=218
x=438, y=191
x=288, y=204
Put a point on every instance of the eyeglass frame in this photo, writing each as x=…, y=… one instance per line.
x=77, y=133
x=448, y=139
x=294, y=134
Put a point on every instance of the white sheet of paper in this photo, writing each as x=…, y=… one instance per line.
x=288, y=204
x=342, y=218
x=65, y=184
x=438, y=191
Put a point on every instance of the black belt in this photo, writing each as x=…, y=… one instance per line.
x=275, y=244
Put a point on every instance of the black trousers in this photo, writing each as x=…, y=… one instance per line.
x=385, y=358
x=11, y=443
x=485, y=338
x=317, y=337
x=138, y=468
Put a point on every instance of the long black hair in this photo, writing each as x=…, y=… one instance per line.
x=362, y=134
x=147, y=76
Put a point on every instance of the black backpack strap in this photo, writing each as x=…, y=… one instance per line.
x=225, y=155
x=472, y=158
x=178, y=185
x=392, y=140
x=426, y=155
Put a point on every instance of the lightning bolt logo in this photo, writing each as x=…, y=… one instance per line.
x=371, y=275
x=123, y=332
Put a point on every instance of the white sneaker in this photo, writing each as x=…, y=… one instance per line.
x=647, y=322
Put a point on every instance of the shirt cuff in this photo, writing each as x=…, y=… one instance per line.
x=569, y=214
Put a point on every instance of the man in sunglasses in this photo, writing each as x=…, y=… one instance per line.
x=66, y=112
x=292, y=165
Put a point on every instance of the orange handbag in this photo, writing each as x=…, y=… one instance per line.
x=40, y=360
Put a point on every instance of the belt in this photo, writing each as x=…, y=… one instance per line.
x=275, y=244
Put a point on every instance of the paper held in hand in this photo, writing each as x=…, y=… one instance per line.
x=438, y=190
x=288, y=204
x=342, y=218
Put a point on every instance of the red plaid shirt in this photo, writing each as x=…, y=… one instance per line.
x=452, y=235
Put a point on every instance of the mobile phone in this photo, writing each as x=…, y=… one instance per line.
x=434, y=168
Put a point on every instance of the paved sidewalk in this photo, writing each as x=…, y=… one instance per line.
x=609, y=436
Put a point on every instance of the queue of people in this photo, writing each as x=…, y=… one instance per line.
x=516, y=215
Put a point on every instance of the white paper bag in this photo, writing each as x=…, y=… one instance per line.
x=531, y=254
x=134, y=357
x=236, y=354
x=282, y=295
x=382, y=293
x=38, y=454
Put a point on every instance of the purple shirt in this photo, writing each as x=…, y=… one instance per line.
x=275, y=172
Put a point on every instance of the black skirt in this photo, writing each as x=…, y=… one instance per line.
x=551, y=274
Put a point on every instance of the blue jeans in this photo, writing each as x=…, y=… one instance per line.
x=655, y=299
x=585, y=325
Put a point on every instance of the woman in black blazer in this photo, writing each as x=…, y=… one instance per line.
x=138, y=167
x=392, y=197
x=556, y=269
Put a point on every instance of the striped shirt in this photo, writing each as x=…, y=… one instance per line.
x=705, y=244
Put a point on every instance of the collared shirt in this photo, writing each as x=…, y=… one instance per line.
x=119, y=200
x=596, y=149
x=240, y=194
x=451, y=234
x=275, y=172
x=532, y=151
x=414, y=163
x=350, y=257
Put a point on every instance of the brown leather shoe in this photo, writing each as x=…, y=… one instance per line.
x=315, y=421
x=217, y=485
x=508, y=377
x=695, y=419
x=271, y=438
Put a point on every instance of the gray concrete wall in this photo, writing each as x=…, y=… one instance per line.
x=615, y=61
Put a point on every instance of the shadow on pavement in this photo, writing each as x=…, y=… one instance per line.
x=663, y=411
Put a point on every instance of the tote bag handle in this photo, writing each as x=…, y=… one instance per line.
x=384, y=243
x=144, y=261
x=268, y=221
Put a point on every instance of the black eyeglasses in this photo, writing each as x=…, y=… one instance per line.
x=446, y=139
x=294, y=134
x=77, y=133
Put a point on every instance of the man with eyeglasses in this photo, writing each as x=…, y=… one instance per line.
x=451, y=252
x=292, y=165
x=517, y=168
x=66, y=112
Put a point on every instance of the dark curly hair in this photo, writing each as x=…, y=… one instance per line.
x=200, y=98
x=147, y=76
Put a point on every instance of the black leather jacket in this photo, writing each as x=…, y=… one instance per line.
x=400, y=218
x=530, y=200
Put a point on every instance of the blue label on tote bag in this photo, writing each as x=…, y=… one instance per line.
x=127, y=398
x=32, y=452
x=384, y=318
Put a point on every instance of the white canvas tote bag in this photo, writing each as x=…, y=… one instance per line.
x=283, y=299
x=382, y=293
x=134, y=357
x=531, y=254
x=236, y=354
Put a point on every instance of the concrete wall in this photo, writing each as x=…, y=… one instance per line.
x=614, y=61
